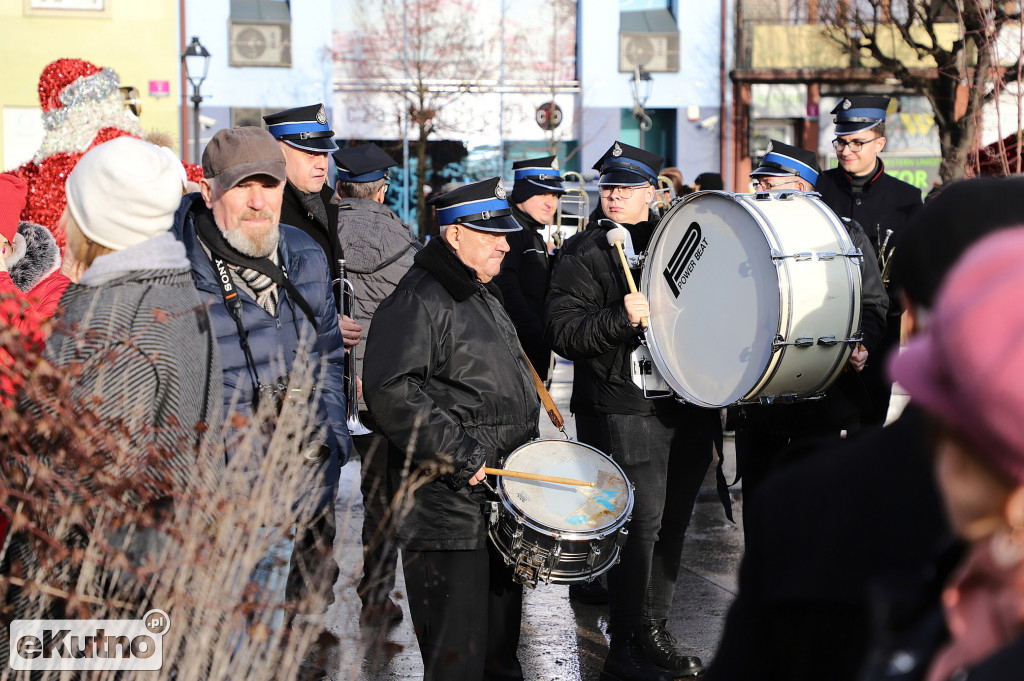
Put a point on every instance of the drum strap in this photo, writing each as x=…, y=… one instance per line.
x=545, y=397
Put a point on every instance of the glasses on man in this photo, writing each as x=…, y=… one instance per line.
x=855, y=145
x=619, y=192
x=764, y=184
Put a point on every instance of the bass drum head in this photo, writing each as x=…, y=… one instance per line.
x=562, y=507
x=715, y=299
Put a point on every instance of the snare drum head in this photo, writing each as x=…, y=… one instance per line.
x=714, y=296
x=563, y=507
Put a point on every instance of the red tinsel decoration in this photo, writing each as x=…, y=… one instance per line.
x=46, y=198
x=106, y=134
x=58, y=75
x=194, y=172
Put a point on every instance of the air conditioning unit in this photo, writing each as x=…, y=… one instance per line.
x=260, y=44
x=654, y=52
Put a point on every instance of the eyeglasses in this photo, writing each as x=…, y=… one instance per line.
x=622, y=192
x=764, y=185
x=855, y=145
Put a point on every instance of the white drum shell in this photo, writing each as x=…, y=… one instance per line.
x=739, y=284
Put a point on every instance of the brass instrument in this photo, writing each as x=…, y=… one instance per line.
x=575, y=199
x=348, y=300
x=664, y=195
x=885, y=258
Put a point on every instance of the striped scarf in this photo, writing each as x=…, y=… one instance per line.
x=263, y=287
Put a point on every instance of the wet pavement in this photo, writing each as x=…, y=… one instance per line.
x=560, y=640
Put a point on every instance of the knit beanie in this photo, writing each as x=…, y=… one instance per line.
x=12, y=200
x=124, y=191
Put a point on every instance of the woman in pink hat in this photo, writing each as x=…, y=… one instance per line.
x=967, y=371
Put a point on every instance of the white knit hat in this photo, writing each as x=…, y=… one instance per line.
x=124, y=191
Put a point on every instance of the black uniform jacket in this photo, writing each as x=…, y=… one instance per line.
x=523, y=280
x=885, y=203
x=586, y=321
x=446, y=380
x=295, y=214
x=819, y=535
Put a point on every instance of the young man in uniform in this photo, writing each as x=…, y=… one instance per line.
x=861, y=190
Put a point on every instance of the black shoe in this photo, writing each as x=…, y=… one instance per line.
x=380, y=615
x=626, y=661
x=659, y=647
x=589, y=593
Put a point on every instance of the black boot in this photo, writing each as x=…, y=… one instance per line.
x=659, y=647
x=626, y=660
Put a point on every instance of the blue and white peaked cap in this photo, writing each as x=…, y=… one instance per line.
x=481, y=205
x=857, y=114
x=628, y=166
x=539, y=175
x=783, y=160
x=303, y=127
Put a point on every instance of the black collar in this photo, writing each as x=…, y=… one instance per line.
x=442, y=262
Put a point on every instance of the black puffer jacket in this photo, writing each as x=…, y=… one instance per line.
x=586, y=321
x=446, y=381
x=294, y=213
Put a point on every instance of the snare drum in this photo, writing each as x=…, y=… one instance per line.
x=557, y=533
x=754, y=297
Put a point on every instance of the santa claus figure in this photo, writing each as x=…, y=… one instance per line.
x=82, y=107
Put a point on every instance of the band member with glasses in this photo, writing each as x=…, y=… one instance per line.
x=664, y=447
x=764, y=431
x=861, y=190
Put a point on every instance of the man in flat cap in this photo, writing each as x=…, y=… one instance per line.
x=379, y=249
x=447, y=382
x=764, y=431
x=526, y=269
x=861, y=190
x=663, y=446
x=267, y=287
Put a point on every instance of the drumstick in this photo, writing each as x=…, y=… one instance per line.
x=616, y=237
x=538, y=477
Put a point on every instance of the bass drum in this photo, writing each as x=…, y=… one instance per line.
x=557, y=533
x=754, y=297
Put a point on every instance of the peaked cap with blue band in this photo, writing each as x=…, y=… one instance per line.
x=782, y=160
x=303, y=127
x=628, y=166
x=536, y=176
x=481, y=205
x=364, y=163
x=857, y=114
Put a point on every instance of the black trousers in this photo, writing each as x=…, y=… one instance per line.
x=380, y=555
x=466, y=611
x=666, y=457
x=312, y=568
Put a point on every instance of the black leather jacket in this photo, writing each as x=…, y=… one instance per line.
x=446, y=381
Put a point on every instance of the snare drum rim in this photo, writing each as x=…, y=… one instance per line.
x=524, y=518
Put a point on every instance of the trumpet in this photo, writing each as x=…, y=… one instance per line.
x=348, y=300
x=574, y=198
x=664, y=195
x=885, y=257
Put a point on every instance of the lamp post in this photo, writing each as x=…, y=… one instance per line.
x=197, y=62
x=641, y=83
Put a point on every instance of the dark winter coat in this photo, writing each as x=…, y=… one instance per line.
x=294, y=213
x=586, y=322
x=271, y=337
x=446, y=381
x=379, y=250
x=819, y=535
x=885, y=203
x=523, y=280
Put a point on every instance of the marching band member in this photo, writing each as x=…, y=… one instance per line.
x=663, y=447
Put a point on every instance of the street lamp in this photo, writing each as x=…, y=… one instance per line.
x=641, y=83
x=197, y=62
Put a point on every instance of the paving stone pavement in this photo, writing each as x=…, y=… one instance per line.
x=560, y=640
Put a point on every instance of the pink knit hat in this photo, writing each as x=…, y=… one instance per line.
x=12, y=201
x=968, y=367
